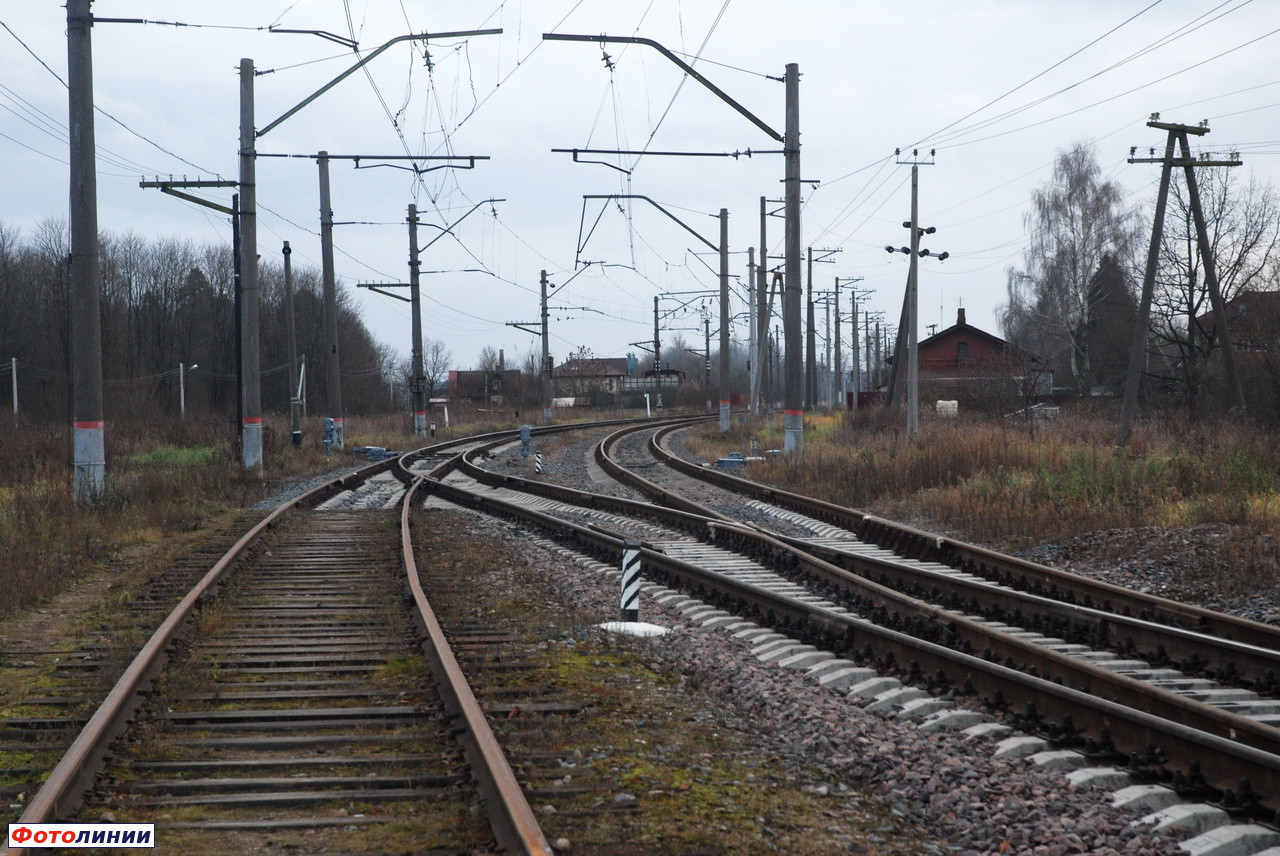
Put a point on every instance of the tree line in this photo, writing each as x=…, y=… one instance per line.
x=1074, y=299
x=168, y=303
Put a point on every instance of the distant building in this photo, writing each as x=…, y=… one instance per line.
x=973, y=366
x=611, y=382
x=1253, y=322
x=487, y=387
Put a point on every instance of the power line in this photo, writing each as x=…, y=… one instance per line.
x=1163, y=41
x=925, y=140
x=950, y=141
x=98, y=109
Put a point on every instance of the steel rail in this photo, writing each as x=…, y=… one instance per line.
x=63, y=791
x=981, y=561
x=404, y=463
x=1162, y=728
x=1163, y=643
x=901, y=608
x=515, y=827
x=1192, y=650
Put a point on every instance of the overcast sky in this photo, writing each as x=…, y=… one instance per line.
x=998, y=88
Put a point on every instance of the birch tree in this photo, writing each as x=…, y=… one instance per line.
x=1077, y=222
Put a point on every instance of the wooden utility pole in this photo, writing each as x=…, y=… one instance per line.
x=88, y=426
x=1137, y=351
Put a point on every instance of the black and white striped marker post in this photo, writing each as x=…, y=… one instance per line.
x=537, y=462
x=630, y=580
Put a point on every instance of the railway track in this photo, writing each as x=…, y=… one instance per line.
x=1167, y=690
x=286, y=657
x=306, y=686
x=292, y=698
x=298, y=695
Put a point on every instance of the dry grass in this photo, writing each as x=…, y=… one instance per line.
x=164, y=478
x=999, y=483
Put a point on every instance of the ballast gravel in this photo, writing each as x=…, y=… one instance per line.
x=951, y=785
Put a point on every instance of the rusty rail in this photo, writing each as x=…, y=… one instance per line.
x=514, y=825
x=1022, y=574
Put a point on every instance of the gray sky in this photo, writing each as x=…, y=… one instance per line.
x=996, y=87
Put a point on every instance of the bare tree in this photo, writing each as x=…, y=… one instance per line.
x=435, y=364
x=489, y=360
x=1076, y=221
x=1243, y=219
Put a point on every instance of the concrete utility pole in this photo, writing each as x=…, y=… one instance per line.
x=791, y=152
x=291, y=333
x=546, y=354
x=906, y=345
x=837, y=379
x=723, y=250
x=417, y=379
x=913, y=298
x=333, y=367
x=876, y=365
x=830, y=376
x=706, y=355
x=250, y=363
x=811, y=354
x=853, y=351
x=657, y=344
x=842, y=386
x=724, y=322
x=761, y=355
x=1133, y=378
x=810, y=348
x=89, y=459
x=250, y=345
x=793, y=415
x=544, y=366
x=753, y=367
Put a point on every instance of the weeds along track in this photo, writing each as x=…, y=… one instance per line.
x=1172, y=695
x=295, y=684
x=302, y=692
x=543, y=709
x=56, y=684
